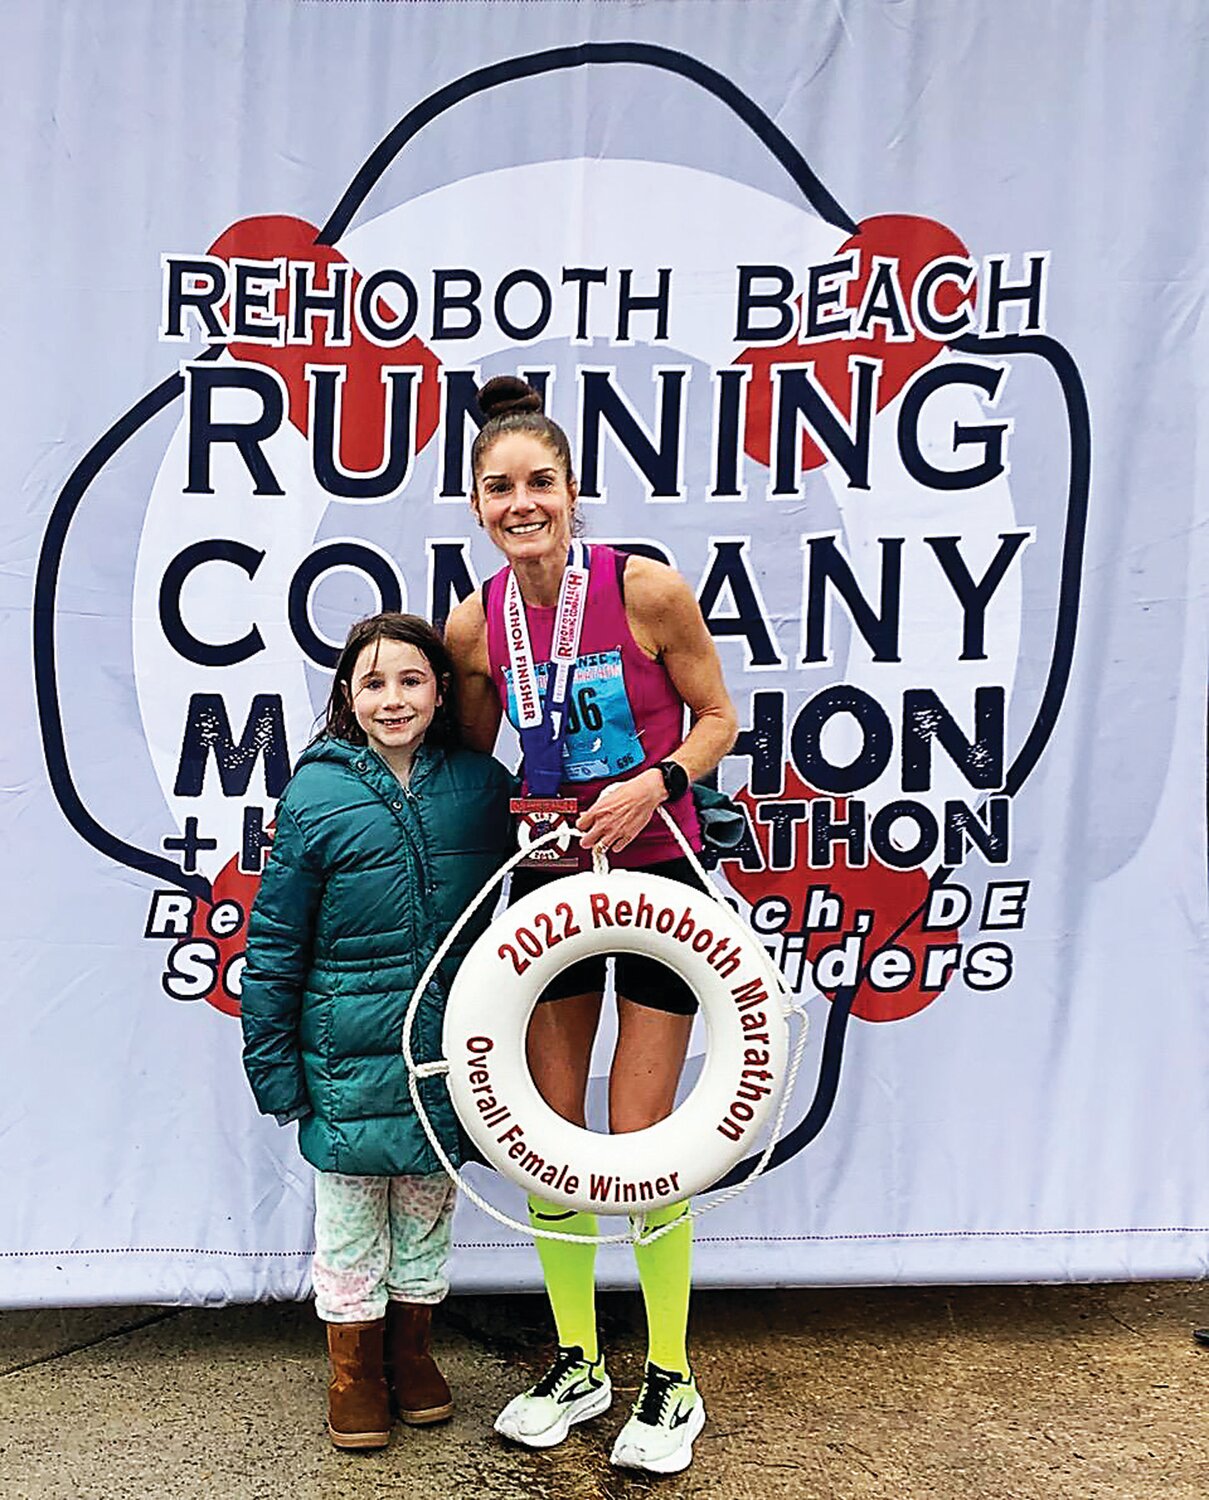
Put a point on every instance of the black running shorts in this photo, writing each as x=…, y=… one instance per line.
x=643, y=980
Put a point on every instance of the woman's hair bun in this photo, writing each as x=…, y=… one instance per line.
x=505, y=394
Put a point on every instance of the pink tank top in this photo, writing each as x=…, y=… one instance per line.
x=624, y=714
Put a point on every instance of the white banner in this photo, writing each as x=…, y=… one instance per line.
x=880, y=323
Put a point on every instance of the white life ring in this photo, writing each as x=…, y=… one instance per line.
x=579, y=916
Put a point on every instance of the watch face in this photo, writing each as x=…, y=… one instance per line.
x=675, y=778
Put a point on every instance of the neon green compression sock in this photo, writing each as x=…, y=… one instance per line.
x=665, y=1270
x=570, y=1272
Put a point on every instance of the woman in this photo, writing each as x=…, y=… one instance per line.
x=644, y=654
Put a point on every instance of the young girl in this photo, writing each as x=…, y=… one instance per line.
x=384, y=836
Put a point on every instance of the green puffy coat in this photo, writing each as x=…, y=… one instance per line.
x=364, y=880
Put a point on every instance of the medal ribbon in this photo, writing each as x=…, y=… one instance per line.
x=542, y=725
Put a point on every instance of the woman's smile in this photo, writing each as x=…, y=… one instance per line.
x=524, y=499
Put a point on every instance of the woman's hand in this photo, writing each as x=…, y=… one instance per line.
x=622, y=811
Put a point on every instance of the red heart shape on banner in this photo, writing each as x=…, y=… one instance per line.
x=363, y=408
x=891, y=895
x=911, y=241
x=230, y=884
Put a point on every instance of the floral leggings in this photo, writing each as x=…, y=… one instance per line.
x=379, y=1238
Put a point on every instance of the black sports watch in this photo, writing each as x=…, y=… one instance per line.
x=675, y=778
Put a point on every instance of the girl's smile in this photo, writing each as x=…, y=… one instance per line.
x=395, y=695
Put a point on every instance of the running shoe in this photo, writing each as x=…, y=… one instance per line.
x=668, y=1415
x=572, y=1390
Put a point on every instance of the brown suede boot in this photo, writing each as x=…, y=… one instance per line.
x=418, y=1391
x=358, y=1404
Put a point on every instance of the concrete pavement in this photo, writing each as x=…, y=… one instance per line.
x=999, y=1393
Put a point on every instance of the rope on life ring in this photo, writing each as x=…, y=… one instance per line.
x=746, y=1079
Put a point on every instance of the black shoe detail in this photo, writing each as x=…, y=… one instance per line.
x=578, y=1390
x=656, y=1388
x=568, y=1358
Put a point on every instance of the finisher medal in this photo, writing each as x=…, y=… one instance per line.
x=539, y=815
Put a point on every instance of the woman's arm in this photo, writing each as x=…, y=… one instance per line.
x=478, y=702
x=280, y=941
x=666, y=621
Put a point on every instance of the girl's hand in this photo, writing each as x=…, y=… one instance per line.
x=622, y=811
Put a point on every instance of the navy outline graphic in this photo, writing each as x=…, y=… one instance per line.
x=555, y=60
x=1070, y=579
x=533, y=65
x=46, y=687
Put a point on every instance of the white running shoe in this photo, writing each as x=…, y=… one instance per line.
x=572, y=1390
x=668, y=1415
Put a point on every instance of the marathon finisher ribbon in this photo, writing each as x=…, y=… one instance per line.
x=543, y=725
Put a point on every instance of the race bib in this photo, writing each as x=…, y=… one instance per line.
x=602, y=739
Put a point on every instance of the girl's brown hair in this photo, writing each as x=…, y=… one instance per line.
x=340, y=722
